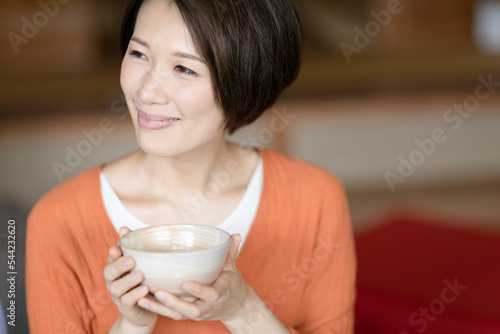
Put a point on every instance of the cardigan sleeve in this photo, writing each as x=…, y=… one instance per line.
x=329, y=298
x=55, y=300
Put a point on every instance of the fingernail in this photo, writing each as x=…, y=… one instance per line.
x=188, y=287
x=126, y=263
x=161, y=296
x=143, y=289
x=143, y=304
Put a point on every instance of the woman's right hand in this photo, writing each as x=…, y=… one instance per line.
x=126, y=289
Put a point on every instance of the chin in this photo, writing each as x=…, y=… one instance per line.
x=160, y=149
x=168, y=147
x=178, y=142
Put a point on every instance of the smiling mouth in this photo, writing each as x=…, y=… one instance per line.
x=155, y=122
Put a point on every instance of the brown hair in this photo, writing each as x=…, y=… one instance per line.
x=253, y=49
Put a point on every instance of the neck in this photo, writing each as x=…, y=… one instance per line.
x=191, y=171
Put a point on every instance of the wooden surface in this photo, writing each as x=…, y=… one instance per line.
x=320, y=77
x=73, y=63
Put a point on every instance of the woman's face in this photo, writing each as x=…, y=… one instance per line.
x=167, y=87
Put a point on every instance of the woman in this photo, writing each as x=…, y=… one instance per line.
x=191, y=71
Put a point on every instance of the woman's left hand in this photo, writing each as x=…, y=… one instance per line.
x=224, y=300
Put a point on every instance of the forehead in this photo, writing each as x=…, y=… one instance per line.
x=161, y=25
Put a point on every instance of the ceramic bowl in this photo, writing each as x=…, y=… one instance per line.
x=169, y=255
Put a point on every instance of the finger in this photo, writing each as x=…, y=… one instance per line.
x=206, y=293
x=123, y=230
x=132, y=297
x=117, y=268
x=152, y=305
x=125, y=284
x=233, y=251
x=188, y=309
x=114, y=253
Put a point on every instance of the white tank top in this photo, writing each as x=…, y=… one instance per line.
x=239, y=220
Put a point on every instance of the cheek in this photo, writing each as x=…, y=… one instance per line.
x=128, y=78
x=203, y=104
x=124, y=77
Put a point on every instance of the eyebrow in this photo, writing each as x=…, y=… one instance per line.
x=140, y=41
x=177, y=54
x=188, y=56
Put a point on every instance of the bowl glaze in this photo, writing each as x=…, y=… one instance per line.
x=169, y=255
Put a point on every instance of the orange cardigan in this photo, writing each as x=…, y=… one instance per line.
x=298, y=257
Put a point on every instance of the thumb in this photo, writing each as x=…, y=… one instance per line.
x=233, y=251
x=123, y=230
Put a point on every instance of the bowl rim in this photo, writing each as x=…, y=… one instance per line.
x=225, y=244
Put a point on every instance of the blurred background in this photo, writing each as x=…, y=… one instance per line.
x=398, y=99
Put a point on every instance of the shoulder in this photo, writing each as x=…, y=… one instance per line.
x=293, y=172
x=67, y=199
x=304, y=202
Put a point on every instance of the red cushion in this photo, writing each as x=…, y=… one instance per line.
x=417, y=275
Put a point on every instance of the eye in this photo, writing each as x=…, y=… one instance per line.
x=185, y=70
x=137, y=54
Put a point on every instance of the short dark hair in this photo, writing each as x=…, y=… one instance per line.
x=253, y=49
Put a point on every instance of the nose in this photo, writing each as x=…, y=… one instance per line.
x=153, y=89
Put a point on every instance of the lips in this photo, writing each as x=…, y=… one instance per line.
x=155, y=122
